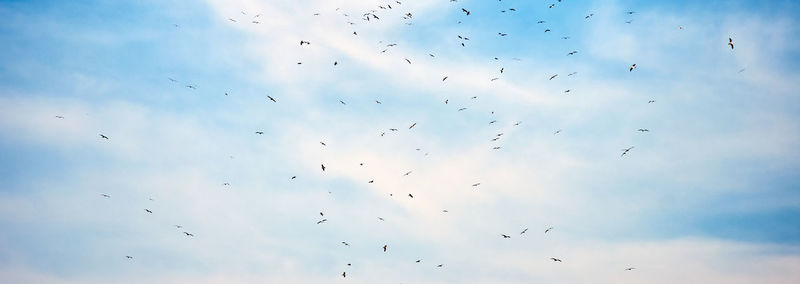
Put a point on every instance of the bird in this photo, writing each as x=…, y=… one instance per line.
x=58, y=116
x=408, y=173
x=323, y=167
x=323, y=143
x=103, y=136
x=105, y=195
x=189, y=234
x=379, y=218
x=494, y=79
x=440, y=265
x=502, y=34
x=260, y=132
x=633, y=67
x=445, y=78
x=371, y=181
x=643, y=130
x=518, y=123
x=128, y=257
x=409, y=61
x=335, y=63
x=178, y=226
x=730, y=42
x=630, y=268
x=321, y=214
x=304, y=42
x=557, y=132
x=344, y=274
x=651, y=101
x=148, y=211
x=572, y=53
x=554, y=76
x=409, y=195
x=523, y=231
x=505, y=236
x=461, y=109
x=412, y=126
x=322, y=221
x=346, y=244
x=465, y=11
x=445, y=211
x=546, y=30
x=476, y=184
x=555, y=259
x=625, y=151
x=272, y=99
x=548, y=230
x=589, y=16
x=384, y=248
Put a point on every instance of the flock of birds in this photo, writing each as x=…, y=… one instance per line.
x=375, y=15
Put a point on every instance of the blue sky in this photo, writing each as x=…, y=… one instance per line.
x=709, y=194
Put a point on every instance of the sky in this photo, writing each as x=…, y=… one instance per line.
x=709, y=194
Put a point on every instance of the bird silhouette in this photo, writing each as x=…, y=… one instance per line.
x=730, y=42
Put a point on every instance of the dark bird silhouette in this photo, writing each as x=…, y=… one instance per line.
x=632, y=67
x=553, y=77
x=260, y=132
x=342, y=102
x=465, y=11
x=128, y=257
x=501, y=70
x=105, y=195
x=557, y=132
x=523, y=231
x=440, y=265
x=345, y=243
x=625, y=151
x=730, y=42
x=409, y=195
x=505, y=236
x=476, y=184
x=409, y=61
x=412, y=126
x=335, y=63
x=384, y=248
x=408, y=173
x=103, y=136
x=555, y=259
x=323, y=143
x=651, y=101
x=548, y=230
x=547, y=30
x=572, y=53
x=304, y=42
x=178, y=226
x=272, y=99
x=445, y=78
x=322, y=221
x=58, y=116
x=323, y=167
x=630, y=268
x=643, y=130
x=344, y=274
x=148, y=211
x=189, y=234
x=461, y=109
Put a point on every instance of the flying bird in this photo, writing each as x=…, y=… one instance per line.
x=148, y=211
x=505, y=236
x=730, y=42
x=630, y=268
x=440, y=265
x=625, y=151
x=523, y=231
x=408, y=173
x=189, y=234
x=128, y=257
x=260, y=132
x=555, y=259
x=548, y=230
x=345, y=243
x=103, y=136
x=412, y=126
x=554, y=76
x=272, y=99
x=344, y=274
x=304, y=42
x=409, y=195
x=465, y=11
x=105, y=195
x=322, y=221
x=643, y=130
x=445, y=78
x=632, y=67
x=323, y=167
x=384, y=248
x=476, y=184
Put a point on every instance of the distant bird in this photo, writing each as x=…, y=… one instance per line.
x=304, y=42
x=335, y=63
x=730, y=42
x=547, y=30
x=651, y=101
x=321, y=214
x=497, y=148
x=345, y=243
x=379, y=218
x=232, y=20
x=272, y=99
x=103, y=136
x=377, y=102
x=589, y=16
x=518, y=123
x=148, y=211
x=465, y=11
x=412, y=126
x=572, y=53
x=293, y=177
x=178, y=226
x=505, y=236
x=502, y=34
x=632, y=67
x=445, y=78
x=226, y=184
x=58, y=116
x=384, y=248
x=172, y=80
x=409, y=61
x=476, y=184
x=625, y=151
x=548, y=230
x=409, y=195
x=554, y=76
x=461, y=109
x=494, y=79
x=408, y=173
x=555, y=259
x=440, y=265
x=323, y=167
x=189, y=234
x=565, y=37
x=322, y=221
x=643, y=130
x=371, y=181
x=128, y=257
x=630, y=268
x=418, y=261
x=445, y=211
x=541, y=22
x=193, y=87
x=523, y=231
x=323, y=143
x=260, y=132
x=342, y=102
x=630, y=12
x=552, y=5
x=557, y=132
x=344, y=274
x=105, y=195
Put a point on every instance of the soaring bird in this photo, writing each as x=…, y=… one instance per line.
x=555, y=259
x=408, y=173
x=523, y=231
x=178, y=226
x=260, y=132
x=476, y=184
x=148, y=211
x=409, y=61
x=632, y=67
x=643, y=130
x=572, y=53
x=548, y=230
x=58, y=116
x=105, y=195
x=272, y=99
x=345, y=243
x=344, y=274
x=630, y=268
x=128, y=257
x=304, y=42
x=625, y=151
x=730, y=42
x=465, y=11
x=103, y=136
x=651, y=101
x=322, y=221
x=440, y=265
x=553, y=77
x=293, y=177
x=412, y=126
x=384, y=248
x=189, y=234
x=323, y=167
x=505, y=236
x=445, y=78
x=409, y=195
x=461, y=109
